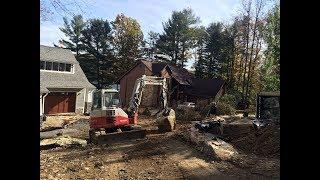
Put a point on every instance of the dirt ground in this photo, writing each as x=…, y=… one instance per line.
x=158, y=156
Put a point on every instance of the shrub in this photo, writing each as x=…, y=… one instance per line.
x=225, y=109
x=229, y=99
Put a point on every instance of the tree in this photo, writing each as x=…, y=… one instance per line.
x=127, y=42
x=179, y=36
x=151, y=42
x=73, y=31
x=96, y=41
x=271, y=66
x=200, y=65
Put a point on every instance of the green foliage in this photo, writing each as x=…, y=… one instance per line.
x=271, y=67
x=127, y=42
x=96, y=38
x=179, y=36
x=73, y=30
x=229, y=99
x=225, y=109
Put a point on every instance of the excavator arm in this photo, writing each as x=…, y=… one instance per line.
x=139, y=87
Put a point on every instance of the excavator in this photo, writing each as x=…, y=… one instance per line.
x=112, y=122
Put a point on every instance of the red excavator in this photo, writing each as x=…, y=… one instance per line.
x=109, y=119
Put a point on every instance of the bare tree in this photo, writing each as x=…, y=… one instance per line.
x=65, y=8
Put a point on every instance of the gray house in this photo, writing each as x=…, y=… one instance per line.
x=64, y=88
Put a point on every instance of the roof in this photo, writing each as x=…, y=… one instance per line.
x=154, y=66
x=204, y=87
x=58, y=79
x=56, y=54
x=182, y=75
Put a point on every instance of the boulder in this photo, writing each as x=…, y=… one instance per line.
x=52, y=122
x=167, y=122
x=63, y=141
x=211, y=145
x=57, y=132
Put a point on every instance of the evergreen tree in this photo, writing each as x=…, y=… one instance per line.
x=73, y=30
x=179, y=36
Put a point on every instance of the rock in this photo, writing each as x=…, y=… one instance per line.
x=98, y=164
x=211, y=145
x=63, y=141
x=166, y=123
x=58, y=132
x=52, y=122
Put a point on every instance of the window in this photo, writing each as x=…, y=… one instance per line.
x=56, y=66
x=42, y=64
x=48, y=65
x=68, y=67
x=62, y=67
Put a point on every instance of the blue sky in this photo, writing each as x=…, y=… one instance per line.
x=149, y=13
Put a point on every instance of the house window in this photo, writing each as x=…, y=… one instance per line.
x=48, y=65
x=62, y=67
x=68, y=67
x=56, y=66
x=42, y=65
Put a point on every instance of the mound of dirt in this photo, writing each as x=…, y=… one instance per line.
x=264, y=142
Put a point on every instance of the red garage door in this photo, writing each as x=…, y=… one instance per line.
x=60, y=103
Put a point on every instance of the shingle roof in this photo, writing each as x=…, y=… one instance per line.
x=58, y=79
x=204, y=87
x=56, y=54
x=154, y=66
x=182, y=75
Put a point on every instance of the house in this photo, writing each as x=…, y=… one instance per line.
x=182, y=85
x=64, y=88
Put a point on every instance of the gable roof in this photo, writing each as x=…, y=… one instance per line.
x=182, y=75
x=154, y=66
x=56, y=54
x=205, y=87
x=61, y=80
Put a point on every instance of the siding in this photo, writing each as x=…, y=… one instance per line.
x=149, y=96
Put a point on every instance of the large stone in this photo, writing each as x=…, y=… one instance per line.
x=58, y=132
x=63, y=141
x=211, y=145
x=166, y=123
x=52, y=122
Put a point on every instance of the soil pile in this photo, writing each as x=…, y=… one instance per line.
x=263, y=142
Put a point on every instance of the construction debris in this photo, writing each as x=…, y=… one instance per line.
x=62, y=141
x=52, y=122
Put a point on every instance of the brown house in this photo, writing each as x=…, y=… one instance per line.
x=182, y=85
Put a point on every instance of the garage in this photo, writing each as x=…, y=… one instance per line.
x=60, y=102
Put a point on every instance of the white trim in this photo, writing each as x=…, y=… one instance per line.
x=43, y=100
x=65, y=72
x=84, y=100
x=71, y=72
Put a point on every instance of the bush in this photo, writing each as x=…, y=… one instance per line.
x=225, y=109
x=187, y=114
x=229, y=99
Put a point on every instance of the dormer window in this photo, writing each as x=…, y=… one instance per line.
x=56, y=66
